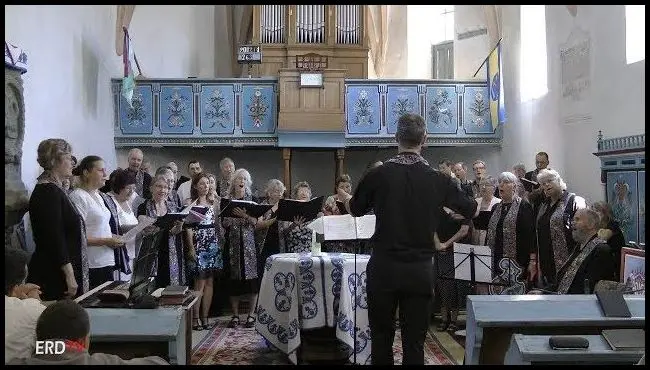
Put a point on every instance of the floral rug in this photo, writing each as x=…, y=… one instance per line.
x=241, y=346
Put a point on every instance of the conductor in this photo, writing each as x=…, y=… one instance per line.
x=407, y=197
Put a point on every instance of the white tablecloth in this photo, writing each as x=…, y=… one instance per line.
x=302, y=291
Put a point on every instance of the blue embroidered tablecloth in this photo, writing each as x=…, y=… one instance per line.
x=308, y=291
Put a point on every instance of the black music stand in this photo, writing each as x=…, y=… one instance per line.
x=469, y=256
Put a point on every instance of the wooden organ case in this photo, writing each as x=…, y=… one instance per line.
x=335, y=31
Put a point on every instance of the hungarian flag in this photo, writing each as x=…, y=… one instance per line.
x=130, y=70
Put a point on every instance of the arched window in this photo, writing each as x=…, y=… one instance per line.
x=534, y=67
x=634, y=33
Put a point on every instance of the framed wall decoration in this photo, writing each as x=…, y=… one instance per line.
x=633, y=270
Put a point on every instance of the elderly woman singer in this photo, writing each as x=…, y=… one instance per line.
x=240, y=252
x=553, y=225
x=511, y=231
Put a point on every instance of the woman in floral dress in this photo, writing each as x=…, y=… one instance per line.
x=240, y=252
x=203, y=247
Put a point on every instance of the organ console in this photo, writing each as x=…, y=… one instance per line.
x=335, y=31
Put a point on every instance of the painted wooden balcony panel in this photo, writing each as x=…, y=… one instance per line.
x=455, y=112
x=244, y=112
x=192, y=112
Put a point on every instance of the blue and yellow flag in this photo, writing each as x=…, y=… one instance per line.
x=495, y=84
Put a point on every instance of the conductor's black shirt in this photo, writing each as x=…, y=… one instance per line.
x=407, y=196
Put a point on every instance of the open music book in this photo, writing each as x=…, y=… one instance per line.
x=288, y=209
x=252, y=209
x=344, y=227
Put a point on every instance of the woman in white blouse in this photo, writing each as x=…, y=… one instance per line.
x=91, y=207
x=122, y=188
x=486, y=201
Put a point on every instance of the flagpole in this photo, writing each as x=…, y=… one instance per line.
x=488, y=57
x=137, y=64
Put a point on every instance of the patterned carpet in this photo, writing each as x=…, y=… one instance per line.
x=241, y=346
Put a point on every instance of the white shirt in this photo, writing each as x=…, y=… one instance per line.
x=479, y=236
x=20, y=326
x=184, y=192
x=97, y=218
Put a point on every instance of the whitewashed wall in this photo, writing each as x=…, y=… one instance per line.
x=71, y=57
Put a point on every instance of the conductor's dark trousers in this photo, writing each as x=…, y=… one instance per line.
x=409, y=285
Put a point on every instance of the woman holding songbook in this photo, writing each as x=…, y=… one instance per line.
x=486, y=201
x=268, y=228
x=240, y=252
x=296, y=234
x=122, y=187
x=204, y=249
x=171, y=259
x=100, y=238
x=334, y=206
x=510, y=232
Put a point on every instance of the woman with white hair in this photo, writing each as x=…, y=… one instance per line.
x=269, y=229
x=511, y=231
x=553, y=225
x=240, y=255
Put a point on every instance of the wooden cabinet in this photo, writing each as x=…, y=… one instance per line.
x=623, y=173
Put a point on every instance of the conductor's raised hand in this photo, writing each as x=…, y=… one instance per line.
x=240, y=212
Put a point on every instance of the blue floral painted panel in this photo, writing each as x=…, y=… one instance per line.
x=217, y=109
x=176, y=109
x=642, y=207
x=399, y=101
x=363, y=113
x=622, y=195
x=139, y=119
x=441, y=110
x=476, y=110
x=258, y=109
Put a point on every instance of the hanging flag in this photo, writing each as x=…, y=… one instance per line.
x=130, y=72
x=495, y=85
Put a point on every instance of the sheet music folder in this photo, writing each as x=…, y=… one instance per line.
x=167, y=221
x=289, y=209
x=252, y=209
x=612, y=303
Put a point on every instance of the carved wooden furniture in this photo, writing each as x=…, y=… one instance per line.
x=623, y=173
x=336, y=31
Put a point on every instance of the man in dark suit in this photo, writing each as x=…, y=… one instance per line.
x=590, y=263
x=407, y=196
x=535, y=193
x=541, y=162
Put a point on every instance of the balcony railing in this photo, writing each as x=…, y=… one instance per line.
x=244, y=112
